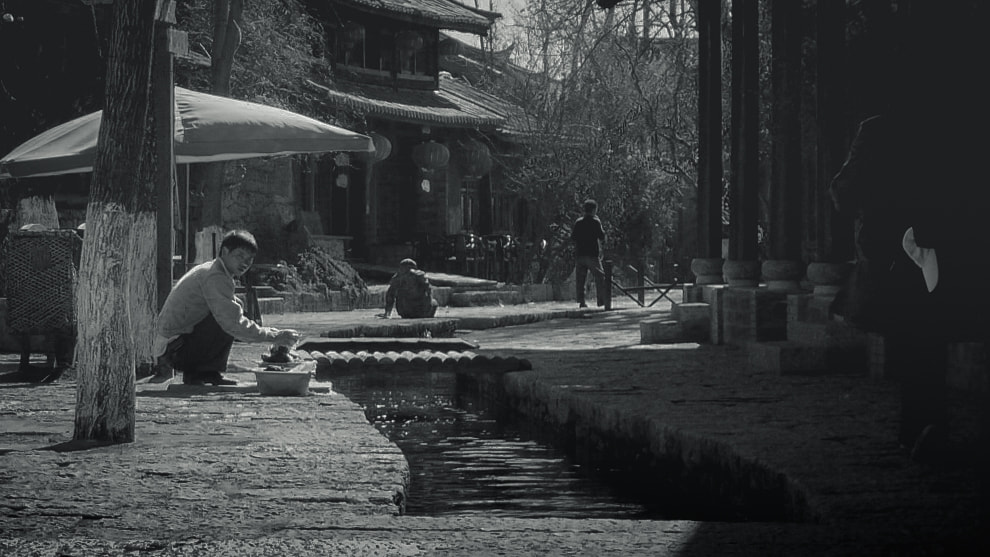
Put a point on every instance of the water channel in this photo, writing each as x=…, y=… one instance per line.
x=464, y=461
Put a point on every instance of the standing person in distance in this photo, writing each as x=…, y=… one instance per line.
x=589, y=239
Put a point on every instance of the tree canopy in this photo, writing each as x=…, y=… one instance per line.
x=611, y=99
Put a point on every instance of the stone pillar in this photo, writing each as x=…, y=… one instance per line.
x=784, y=269
x=707, y=267
x=744, y=130
x=828, y=234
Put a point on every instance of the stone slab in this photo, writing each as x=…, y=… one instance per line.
x=714, y=295
x=966, y=368
x=416, y=328
x=652, y=331
x=831, y=333
x=794, y=358
x=754, y=314
x=485, y=298
x=695, y=321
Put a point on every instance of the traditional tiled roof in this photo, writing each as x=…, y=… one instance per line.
x=514, y=120
x=442, y=14
x=449, y=106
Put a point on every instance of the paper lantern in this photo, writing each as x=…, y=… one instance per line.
x=476, y=158
x=430, y=156
x=383, y=148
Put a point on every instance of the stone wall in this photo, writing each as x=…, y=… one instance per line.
x=264, y=200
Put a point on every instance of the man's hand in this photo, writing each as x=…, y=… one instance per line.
x=287, y=337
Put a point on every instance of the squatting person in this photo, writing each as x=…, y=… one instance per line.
x=201, y=316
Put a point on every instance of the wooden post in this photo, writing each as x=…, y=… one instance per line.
x=608, y=283
x=641, y=283
x=167, y=43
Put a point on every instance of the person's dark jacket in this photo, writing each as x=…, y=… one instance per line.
x=409, y=291
x=917, y=173
x=587, y=234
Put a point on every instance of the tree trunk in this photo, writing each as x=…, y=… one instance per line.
x=37, y=209
x=207, y=179
x=124, y=168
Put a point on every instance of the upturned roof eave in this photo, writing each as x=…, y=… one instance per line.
x=469, y=21
x=414, y=114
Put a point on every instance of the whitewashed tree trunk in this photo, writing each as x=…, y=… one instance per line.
x=37, y=209
x=118, y=241
x=105, y=403
x=143, y=287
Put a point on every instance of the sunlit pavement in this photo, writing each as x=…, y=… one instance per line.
x=230, y=473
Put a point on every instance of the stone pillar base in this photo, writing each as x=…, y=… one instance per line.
x=783, y=274
x=827, y=278
x=741, y=273
x=707, y=270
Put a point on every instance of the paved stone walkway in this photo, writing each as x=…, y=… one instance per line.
x=228, y=472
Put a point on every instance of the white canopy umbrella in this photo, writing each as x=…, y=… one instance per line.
x=207, y=128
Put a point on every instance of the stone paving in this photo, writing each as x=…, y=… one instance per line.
x=225, y=471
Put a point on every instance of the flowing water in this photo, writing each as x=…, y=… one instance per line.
x=463, y=461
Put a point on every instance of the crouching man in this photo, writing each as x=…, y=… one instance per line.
x=201, y=316
x=410, y=293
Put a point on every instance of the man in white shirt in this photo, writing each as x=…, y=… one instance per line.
x=201, y=316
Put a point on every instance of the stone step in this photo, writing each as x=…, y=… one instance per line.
x=965, y=366
x=824, y=333
x=787, y=357
x=659, y=330
x=485, y=298
x=695, y=319
x=810, y=308
x=752, y=314
x=434, y=327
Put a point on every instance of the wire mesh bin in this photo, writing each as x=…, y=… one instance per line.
x=42, y=273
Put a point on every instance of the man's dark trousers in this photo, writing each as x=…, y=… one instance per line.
x=203, y=352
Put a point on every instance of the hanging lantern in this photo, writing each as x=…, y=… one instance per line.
x=342, y=160
x=476, y=158
x=351, y=33
x=383, y=148
x=430, y=156
x=342, y=181
x=409, y=42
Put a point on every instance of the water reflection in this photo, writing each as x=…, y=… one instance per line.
x=462, y=461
